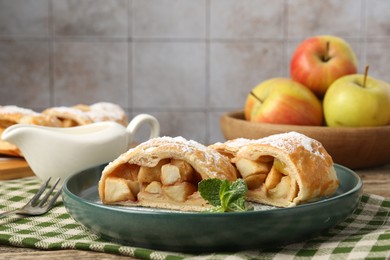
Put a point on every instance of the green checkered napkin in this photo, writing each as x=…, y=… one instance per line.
x=363, y=235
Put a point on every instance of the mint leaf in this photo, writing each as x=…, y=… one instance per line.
x=234, y=195
x=209, y=190
x=223, y=195
x=239, y=205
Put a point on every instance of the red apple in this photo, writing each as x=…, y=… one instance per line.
x=283, y=101
x=318, y=61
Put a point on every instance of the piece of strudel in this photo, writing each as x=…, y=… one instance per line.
x=11, y=115
x=84, y=114
x=282, y=170
x=163, y=172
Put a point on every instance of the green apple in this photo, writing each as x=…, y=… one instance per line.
x=356, y=101
x=283, y=101
x=386, y=87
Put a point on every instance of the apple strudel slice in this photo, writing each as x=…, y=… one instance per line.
x=84, y=114
x=11, y=115
x=282, y=170
x=69, y=116
x=163, y=172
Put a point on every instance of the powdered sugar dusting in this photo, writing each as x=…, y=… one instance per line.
x=260, y=207
x=103, y=110
x=237, y=143
x=17, y=110
x=187, y=146
x=69, y=110
x=290, y=141
x=98, y=112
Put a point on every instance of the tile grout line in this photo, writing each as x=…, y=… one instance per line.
x=363, y=34
x=79, y=38
x=285, y=70
x=207, y=72
x=130, y=53
x=51, y=53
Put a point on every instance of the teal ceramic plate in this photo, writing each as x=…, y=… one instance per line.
x=207, y=232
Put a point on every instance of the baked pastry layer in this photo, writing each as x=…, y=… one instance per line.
x=83, y=114
x=11, y=115
x=282, y=170
x=163, y=172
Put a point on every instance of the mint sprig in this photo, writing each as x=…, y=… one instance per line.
x=223, y=195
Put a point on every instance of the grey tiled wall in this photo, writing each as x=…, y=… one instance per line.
x=184, y=61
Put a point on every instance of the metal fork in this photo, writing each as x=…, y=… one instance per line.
x=34, y=207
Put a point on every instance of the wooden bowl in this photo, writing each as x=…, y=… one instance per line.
x=354, y=148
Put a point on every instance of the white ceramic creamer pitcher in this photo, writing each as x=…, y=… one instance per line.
x=61, y=152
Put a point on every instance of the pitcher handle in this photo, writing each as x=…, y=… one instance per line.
x=136, y=123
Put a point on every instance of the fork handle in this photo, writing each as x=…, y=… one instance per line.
x=8, y=213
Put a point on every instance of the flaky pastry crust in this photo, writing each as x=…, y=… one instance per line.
x=303, y=159
x=230, y=148
x=207, y=163
x=69, y=116
x=82, y=114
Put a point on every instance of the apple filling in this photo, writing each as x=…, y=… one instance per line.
x=269, y=176
x=67, y=122
x=171, y=179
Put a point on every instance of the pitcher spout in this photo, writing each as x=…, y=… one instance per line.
x=16, y=133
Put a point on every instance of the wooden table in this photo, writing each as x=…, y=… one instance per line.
x=375, y=181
